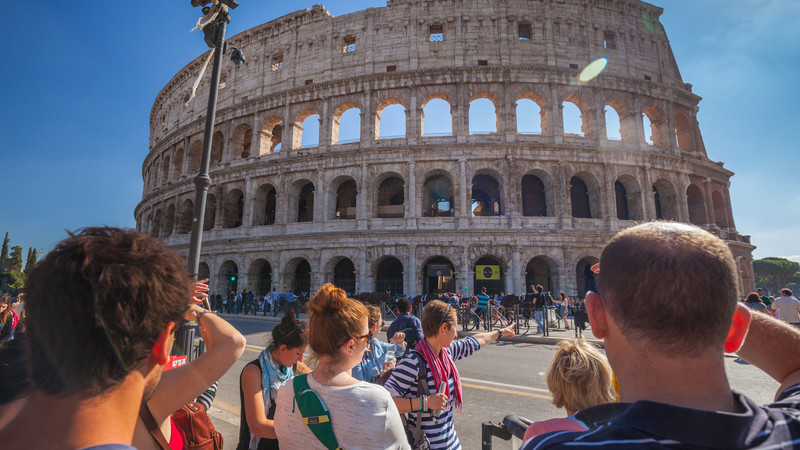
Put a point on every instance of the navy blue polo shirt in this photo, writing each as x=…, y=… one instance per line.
x=652, y=425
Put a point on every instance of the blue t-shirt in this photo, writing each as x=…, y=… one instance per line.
x=371, y=365
x=483, y=301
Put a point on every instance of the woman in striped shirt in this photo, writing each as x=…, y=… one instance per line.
x=439, y=350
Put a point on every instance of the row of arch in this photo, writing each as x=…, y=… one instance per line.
x=435, y=275
x=536, y=194
x=578, y=118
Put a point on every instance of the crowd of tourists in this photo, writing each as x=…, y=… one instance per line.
x=86, y=359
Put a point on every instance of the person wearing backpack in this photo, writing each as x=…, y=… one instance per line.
x=328, y=408
x=437, y=353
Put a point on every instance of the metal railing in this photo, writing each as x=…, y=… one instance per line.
x=512, y=428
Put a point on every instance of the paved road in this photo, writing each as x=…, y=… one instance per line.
x=503, y=378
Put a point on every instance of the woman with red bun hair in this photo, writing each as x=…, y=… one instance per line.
x=362, y=415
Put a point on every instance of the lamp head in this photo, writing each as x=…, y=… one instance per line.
x=237, y=57
x=232, y=4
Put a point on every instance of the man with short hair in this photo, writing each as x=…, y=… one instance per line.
x=102, y=308
x=764, y=297
x=667, y=310
x=407, y=323
x=786, y=308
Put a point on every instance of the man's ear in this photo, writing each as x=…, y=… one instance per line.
x=598, y=314
x=739, y=326
x=161, y=349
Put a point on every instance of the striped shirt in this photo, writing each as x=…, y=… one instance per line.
x=403, y=383
x=652, y=425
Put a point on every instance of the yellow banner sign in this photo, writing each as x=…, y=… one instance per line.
x=487, y=272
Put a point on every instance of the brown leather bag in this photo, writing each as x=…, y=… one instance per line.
x=196, y=428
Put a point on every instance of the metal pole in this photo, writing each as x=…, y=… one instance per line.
x=203, y=180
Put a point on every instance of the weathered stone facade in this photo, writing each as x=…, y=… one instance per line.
x=388, y=213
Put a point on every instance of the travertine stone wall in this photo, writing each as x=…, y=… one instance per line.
x=277, y=216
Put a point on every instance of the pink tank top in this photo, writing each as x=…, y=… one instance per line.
x=175, y=439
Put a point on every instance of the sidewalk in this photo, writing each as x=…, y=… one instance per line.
x=555, y=335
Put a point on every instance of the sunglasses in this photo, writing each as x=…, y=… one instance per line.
x=362, y=338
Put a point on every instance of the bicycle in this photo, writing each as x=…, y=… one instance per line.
x=521, y=319
x=470, y=319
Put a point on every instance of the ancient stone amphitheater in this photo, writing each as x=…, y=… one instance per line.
x=524, y=199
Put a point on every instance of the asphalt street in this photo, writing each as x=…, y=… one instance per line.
x=503, y=378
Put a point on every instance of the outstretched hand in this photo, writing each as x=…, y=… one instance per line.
x=200, y=291
x=508, y=331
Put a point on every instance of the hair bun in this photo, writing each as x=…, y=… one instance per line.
x=328, y=299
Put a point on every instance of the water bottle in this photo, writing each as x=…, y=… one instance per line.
x=389, y=355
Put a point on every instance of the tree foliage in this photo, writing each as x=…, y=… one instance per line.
x=31, y=260
x=4, y=253
x=16, y=258
x=774, y=274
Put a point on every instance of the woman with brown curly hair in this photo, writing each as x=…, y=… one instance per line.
x=362, y=415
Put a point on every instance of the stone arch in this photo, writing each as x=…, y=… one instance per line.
x=391, y=198
x=242, y=139
x=228, y=277
x=585, y=279
x=720, y=210
x=233, y=209
x=438, y=198
x=628, y=196
x=177, y=163
x=627, y=128
x=186, y=217
x=665, y=198
x=434, y=101
x=389, y=275
x=344, y=274
x=298, y=271
x=344, y=113
x=195, y=155
x=217, y=147
x=260, y=277
x=658, y=126
x=165, y=165
x=148, y=225
x=271, y=135
x=203, y=271
x=264, y=205
x=483, y=103
x=343, y=194
x=684, y=134
x=487, y=195
x=540, y=101
x=585, y=196
x=157, y=221
x=211, y=212
x=481, y=278
x=437, y=275
x=395, y=110
x=697, y=205
x=538, y=194
x=541, y=270
x=301, y=201
x=169, y=221
x=580, y=102
x=301, y=121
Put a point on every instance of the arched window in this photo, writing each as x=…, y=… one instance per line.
x=657, y=125
x=485, y=196
x=529, y=117
x=306, y=129
x=264, y=205
x=260, y=277
x=305, y=203
x=165, y=170
x=585, y=278
x=697, y=205
x=720, y=210
x=233, y=209
x=613, y=125
x=683, y=132
x=186, y=217
x=391, y=198
x=579, y=194
x=666, y=200
x=390, y=120
x=228, y=277
x=541, y=270
x=575, y=115
x=346, y=197
x=177, y=163
x=301, y=279
x=346, y=124
x=344, y=276
x=217, y=147
x=389, y=276
x=436, y=118
x=271, y=135
x=437, y=276
x=157, y=220
x=195, y=153
x=203, y=272
x=242, y=138
x=211, y=212
x=489, y=275
x=534, y=201
x=482, y=116
x=169, y=221
x=627, y=194
x=437, y=197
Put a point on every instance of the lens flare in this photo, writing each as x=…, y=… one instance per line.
x=594, y=69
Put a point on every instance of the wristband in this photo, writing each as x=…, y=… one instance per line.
x=500, y=335
x=420, y=403
x=203, y=313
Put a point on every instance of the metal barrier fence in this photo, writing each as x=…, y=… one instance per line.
x=511, y=429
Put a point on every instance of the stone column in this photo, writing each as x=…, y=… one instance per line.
x=516, y=271
x=220, y=209
x=362, y=271
x=711, y=218
x=413, y=118
x=320, y=199
x=465, y=273
x=648, y=202
x=463, y=196
x=411, y=205
x=249, y=203
x=729, y=211
x=325, y=127
x=363, y=199
x=411, y=272
x=682, y=199
x=555, y=119
x=367, y=134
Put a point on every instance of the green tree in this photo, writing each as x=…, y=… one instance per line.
x=776, y=273
x=4, y=253
x=16, y=280
x=16, y=258
x=30, y=260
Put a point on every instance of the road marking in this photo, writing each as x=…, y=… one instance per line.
x=225, y=412
x=254, y=348
x=513, y=386
x=507, y=391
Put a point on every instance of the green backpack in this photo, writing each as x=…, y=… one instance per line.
x=315, y=413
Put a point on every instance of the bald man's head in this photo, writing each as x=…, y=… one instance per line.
x=670, y=286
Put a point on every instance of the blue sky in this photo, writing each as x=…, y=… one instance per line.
x=79, y=82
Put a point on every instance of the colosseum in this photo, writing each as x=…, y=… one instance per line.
x=529, y=196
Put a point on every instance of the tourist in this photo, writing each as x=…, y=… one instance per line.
x=667, y=312
x=439, y=350
x=362, y=415
x=407, y=323
x=375, y=360
x=787, y=308
x=753, y=301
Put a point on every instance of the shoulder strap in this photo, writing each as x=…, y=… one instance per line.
x=315, y=413
x=152, y=427
x=422, y=388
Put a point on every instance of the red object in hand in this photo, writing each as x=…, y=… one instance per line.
x=175, y=361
